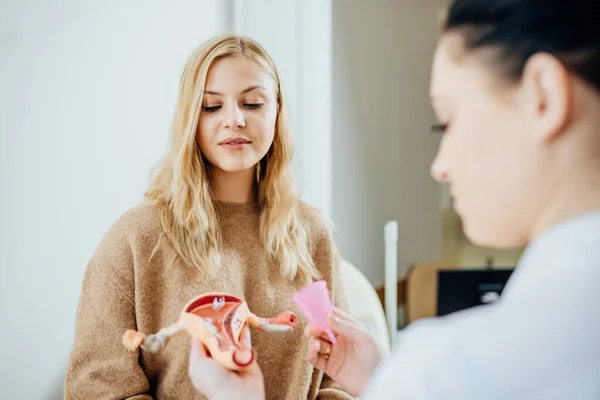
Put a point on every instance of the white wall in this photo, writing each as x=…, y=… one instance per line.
x=382, y=147
x=87, y=91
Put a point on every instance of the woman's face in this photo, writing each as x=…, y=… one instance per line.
x=239, y=111
x=492, y=151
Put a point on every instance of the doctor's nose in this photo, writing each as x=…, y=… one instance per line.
x=438, y=169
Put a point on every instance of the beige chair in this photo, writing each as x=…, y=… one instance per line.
x=363, y=302
x=422, y=288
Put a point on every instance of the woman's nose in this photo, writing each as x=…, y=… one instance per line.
x=234, y=119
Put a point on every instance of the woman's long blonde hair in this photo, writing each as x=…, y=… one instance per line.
x=181, y=185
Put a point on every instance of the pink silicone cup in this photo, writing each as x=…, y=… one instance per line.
x=315, y=304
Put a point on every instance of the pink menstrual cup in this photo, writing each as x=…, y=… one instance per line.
x=315, y=304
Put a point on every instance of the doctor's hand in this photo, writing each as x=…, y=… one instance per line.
x=352, y=360
x=216, y=382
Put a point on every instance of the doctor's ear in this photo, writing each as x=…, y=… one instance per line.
x=548, y=96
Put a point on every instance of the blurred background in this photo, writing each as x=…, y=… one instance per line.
x=87, y=92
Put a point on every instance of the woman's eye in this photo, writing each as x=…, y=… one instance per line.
x=211, y=109
x=253, y=106
x=441, y=128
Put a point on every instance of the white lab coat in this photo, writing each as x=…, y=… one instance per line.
x=541, y=340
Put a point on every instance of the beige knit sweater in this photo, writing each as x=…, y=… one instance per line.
x=130, y=284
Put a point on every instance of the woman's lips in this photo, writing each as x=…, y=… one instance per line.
x=235, y=143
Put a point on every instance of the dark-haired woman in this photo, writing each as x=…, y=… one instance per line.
x=516, y=88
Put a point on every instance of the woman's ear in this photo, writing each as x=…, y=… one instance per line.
x=549, y=99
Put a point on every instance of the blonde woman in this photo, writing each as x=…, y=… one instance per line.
x=221, y=215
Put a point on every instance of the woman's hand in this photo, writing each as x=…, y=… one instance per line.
x=352, y=360
x=216, y=382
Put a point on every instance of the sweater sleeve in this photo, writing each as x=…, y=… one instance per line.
x=329, y=389
x=99, y=364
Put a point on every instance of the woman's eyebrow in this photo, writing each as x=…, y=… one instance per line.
x=248, y=89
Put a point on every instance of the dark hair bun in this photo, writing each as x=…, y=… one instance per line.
x=567, y=29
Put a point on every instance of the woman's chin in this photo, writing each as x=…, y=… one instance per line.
x=235, y=168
